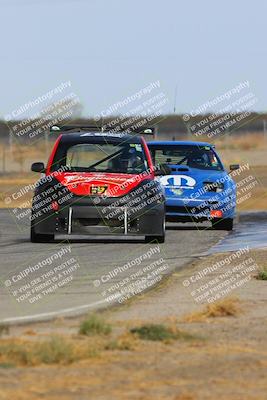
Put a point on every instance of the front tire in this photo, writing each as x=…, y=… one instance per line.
x=223, y=224
x=40, y=237
x=158, y=238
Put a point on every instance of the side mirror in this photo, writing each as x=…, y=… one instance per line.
x=233, y=167
x=163, y=169
x=38, y=167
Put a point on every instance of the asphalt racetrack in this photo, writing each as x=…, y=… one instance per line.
x=68, y=277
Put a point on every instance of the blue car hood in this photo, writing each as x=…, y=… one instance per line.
x=184, y=183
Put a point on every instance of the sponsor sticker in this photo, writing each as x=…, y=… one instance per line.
x=98, y=189
x=178, y=181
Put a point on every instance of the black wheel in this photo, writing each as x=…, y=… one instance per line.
x=40, y=237
x=223, y=224
x=159, y=238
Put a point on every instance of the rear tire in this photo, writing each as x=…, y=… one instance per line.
x=40, y=237
x=223, y=224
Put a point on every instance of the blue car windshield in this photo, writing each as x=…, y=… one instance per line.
x=192, y=156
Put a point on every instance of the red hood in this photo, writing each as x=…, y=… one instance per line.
x=115, y=185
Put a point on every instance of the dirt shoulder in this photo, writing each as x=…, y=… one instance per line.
x=220, y=353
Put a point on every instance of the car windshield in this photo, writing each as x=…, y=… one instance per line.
x=200, y=157
x=128, y=158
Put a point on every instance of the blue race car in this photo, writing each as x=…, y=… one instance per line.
x=198, y=188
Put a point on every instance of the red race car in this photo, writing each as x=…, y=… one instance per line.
x=98, y=183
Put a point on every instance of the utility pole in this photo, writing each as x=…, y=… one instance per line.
x=10, y=142
x=175, y=99
x=174, y=104
x=4, y=159
x=46, y=144
x=156, y=132
x=264, y=130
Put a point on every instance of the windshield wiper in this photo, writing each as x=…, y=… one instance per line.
x=105, y=159
x=180, y=162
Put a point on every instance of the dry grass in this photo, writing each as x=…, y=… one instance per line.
x=252, y=141
x=228, y=307
x=55, y=350
x=92, y=342
x=126, y=341
x=257, y=200
x=12, y=183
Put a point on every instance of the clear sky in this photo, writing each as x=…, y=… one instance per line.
x=110, y=49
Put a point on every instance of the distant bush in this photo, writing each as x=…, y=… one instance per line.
x=94, y=325
x=159, y=332
x=262, y=275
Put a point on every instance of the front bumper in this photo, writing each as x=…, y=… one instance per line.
x=82, y=216
x=92, y=220
x=203, y=209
